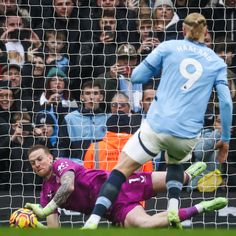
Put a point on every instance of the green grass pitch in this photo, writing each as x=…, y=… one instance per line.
x=115, y=232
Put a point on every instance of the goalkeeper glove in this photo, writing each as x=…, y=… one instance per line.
x=42, y=212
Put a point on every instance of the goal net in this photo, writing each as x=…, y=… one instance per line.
x=65, y=68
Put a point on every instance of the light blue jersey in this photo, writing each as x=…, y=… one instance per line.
x=190, y=70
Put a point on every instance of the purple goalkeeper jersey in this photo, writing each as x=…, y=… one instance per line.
x=87, y=186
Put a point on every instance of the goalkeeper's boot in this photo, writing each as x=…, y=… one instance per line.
x=90, y=225
x=196, y=169
x=174, y=219
x=215, y=204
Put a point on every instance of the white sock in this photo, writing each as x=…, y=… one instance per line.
x=95, y=219
x=173, y=204
x=199, y=208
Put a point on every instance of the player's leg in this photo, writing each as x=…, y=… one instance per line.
x=178, y=150
x=202, y=207
x=134, y=154
x=137, y=217
x=110, y=189
x=159, y=177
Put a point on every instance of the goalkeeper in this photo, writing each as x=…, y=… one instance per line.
x=69, y=185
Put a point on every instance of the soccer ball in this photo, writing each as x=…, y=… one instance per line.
x=23, y=218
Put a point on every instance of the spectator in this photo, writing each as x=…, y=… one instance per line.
x=145, y=8
x=126, y=18
x=67, y=15
x=98, y=55
x=21, y=176
x=121, y=103
x=185, y=7
x=182, y=8
x=5, y=104
x=3, y=55
x=118, y=77
x=224, y=15
x=104, y=154
x=208, y=40
x=166, y=21
x=12, y=72
x=56, y=98
x=17, y=37
x=8, y=104
x=148, y=96
x=38, y=10
x=4, y=152
x=46, y=131
x=84, y=125
x=33, y=72
x=147, y=40
x=8, y=6
x=54, y=44
x=225, y=48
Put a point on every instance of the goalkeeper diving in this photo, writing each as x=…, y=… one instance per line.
x=69, y=185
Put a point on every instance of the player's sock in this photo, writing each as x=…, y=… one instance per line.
x=204, y=206
x=174, y=183
x=173, y=204
x=186, y=213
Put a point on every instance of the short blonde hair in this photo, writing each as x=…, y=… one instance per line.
x=196, y=24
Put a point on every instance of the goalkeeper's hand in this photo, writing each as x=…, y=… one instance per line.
x=42, y=212
x=37, y=209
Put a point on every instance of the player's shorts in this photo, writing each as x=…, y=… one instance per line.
x=136, y=189
x=145, y=144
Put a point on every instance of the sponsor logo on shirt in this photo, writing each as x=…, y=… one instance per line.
x=62, y=166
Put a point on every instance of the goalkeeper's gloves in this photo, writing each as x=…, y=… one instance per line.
x=42, y=212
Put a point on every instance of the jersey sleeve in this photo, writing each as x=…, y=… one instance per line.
x=221, y=74
x=226, y=108
x=155, y=58
x=149, y=67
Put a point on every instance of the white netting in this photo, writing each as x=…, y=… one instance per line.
x=79, y=41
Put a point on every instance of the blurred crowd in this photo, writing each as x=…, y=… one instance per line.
x=65, y=68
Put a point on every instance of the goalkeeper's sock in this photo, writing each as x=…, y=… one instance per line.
x=186, y=213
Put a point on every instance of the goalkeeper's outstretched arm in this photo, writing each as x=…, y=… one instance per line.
x=64, y=191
